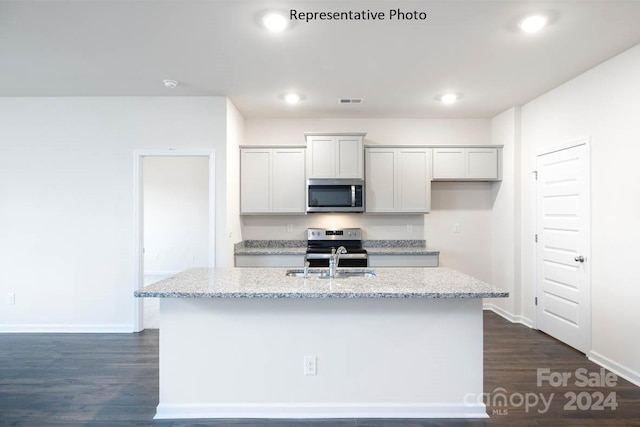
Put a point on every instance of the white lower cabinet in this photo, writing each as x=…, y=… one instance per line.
x=410, y=260
x=466, y=164
x=272, y=181
x=398, y=180
x=289, y=261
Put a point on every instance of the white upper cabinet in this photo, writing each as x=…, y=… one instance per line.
x=272, y=180
x=414, y=180
x=255, y=181
x=466, y=164
x=289, y=186
x=349, y=157
x=398, y=180
x=335, y=155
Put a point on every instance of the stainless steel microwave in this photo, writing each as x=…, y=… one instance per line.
x=335, y=195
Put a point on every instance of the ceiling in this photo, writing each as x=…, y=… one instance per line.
x=126, y=48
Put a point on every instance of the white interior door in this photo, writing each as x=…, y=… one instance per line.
x=562, y=252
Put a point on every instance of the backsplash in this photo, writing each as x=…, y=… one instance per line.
x=294, y=227
x=245, y=244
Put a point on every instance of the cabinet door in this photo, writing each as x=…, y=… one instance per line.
x=414, y=180
x=380, y=182
x=449, y=163
x=321, y=157
x=255, y=181
x=349, y=150
x=482, y=163
x=288, y=181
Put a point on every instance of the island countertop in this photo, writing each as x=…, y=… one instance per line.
x=435, y=282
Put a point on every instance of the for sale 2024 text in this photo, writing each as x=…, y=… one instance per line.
x=582, y=377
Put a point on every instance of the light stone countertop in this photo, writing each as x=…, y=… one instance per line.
x=273, y=250
x=400, y=250
x=434, y=282
x=271, y=247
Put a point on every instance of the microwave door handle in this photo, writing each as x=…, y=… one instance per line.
x=353, y=196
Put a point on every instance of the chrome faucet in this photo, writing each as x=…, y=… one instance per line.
x=335, y=259
x=306, y=268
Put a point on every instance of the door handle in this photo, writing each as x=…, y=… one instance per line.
x=579, y=258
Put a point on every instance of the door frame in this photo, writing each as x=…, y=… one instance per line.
x=138, y=218
x=586, y=141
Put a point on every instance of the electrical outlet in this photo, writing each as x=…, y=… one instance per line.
x=289, y=228
x=11, y=298
x=310, y=365
x=456, y=228
x=409, y=228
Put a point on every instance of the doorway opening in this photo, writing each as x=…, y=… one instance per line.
x=174, y=220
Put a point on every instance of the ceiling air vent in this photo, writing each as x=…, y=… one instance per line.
x=350, y=100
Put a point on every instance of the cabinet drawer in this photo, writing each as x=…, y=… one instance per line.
x=430, y=260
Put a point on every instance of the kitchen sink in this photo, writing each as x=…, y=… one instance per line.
x=324, y=273
x=356, y=273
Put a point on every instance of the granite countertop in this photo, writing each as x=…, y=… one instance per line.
x=399, y=250
x=271, y=247
x=299, y=247
x=434, y=282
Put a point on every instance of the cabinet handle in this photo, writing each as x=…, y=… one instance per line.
x=579, y=258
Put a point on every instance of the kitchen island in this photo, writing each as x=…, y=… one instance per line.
x=255, y=343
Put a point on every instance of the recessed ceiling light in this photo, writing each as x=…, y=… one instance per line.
x=533, y=24
x=274, y=21
x=292, y=98
x=171, y=84
x=449, y=98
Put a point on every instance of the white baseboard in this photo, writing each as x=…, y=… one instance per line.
x=510, y=317
x=321, y=410
x=620, y=370
x=67, y=329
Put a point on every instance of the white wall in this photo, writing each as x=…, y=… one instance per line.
x=176, y=213
x=467, y=203
x=602, y=104
x=379, y=131
x=235, y=138
x=66, y=188
x=505, y=217
x=469, y=206
x=274, y=227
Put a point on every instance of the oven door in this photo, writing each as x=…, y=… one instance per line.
x=346, y=260
x=335, y=195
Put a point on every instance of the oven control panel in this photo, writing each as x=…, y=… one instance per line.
x=334, y=234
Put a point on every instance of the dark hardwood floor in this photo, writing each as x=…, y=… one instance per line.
x=112, y=380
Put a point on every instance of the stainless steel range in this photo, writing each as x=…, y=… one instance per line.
x=320, y=241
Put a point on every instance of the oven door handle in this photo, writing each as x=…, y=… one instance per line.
x=343, y=256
